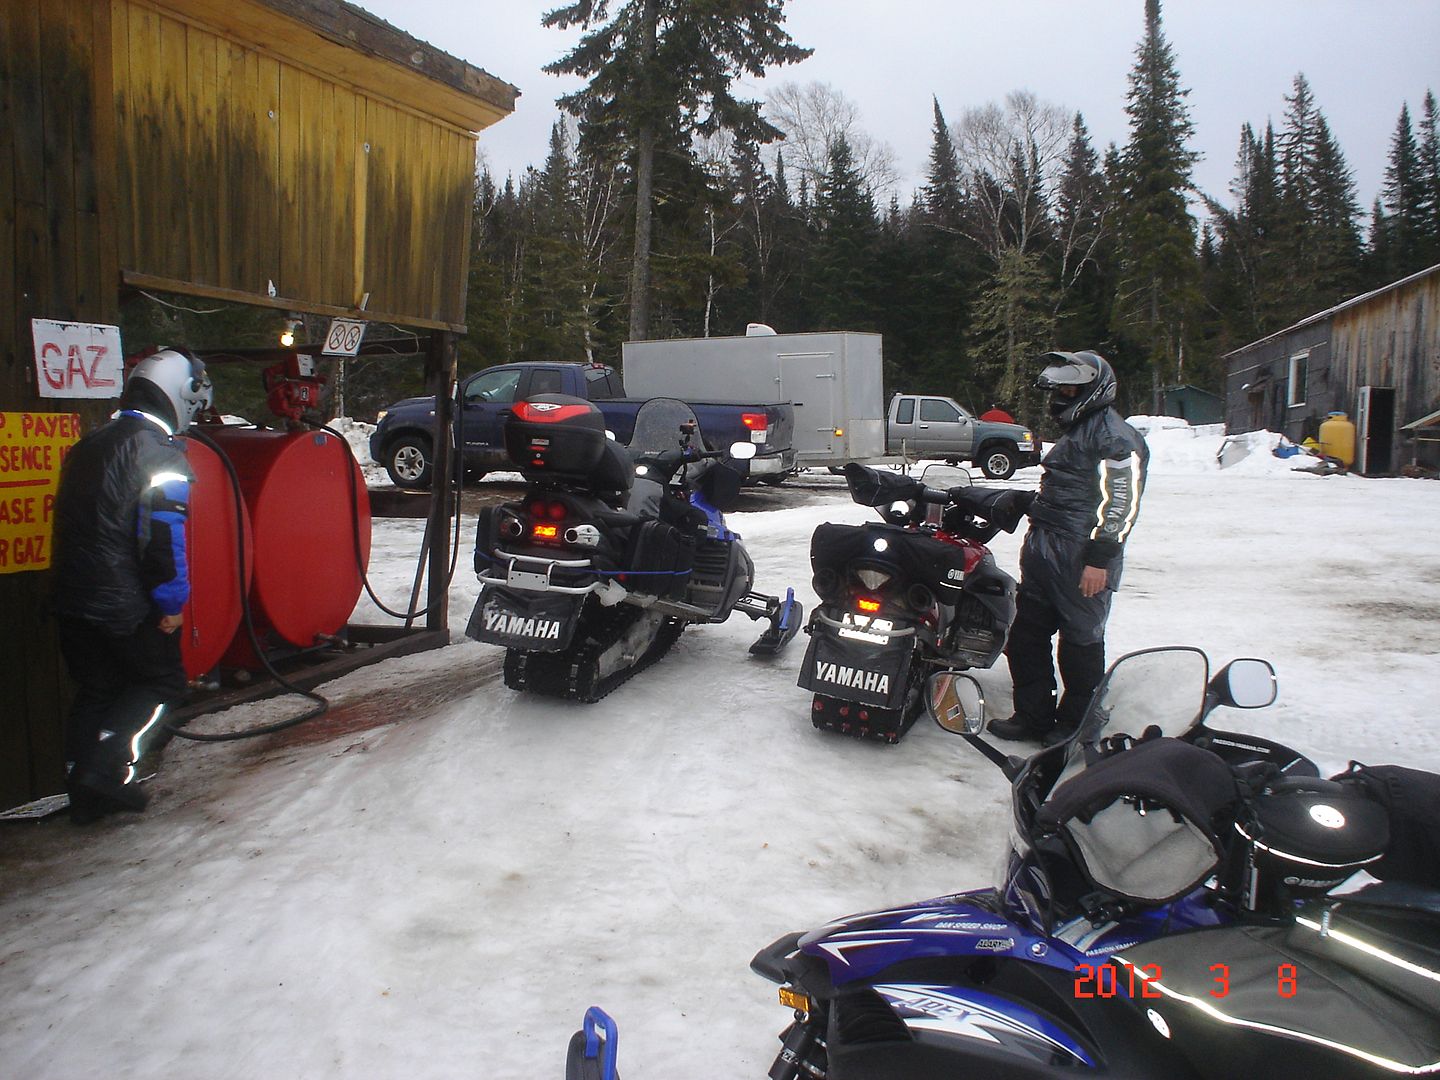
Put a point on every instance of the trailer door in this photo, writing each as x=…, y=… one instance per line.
x=808, y=381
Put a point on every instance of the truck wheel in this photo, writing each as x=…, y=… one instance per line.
x=407, y=460
x=997, y=463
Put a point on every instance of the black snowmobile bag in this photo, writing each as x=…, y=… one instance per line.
x=529, y=621
x=1307, y=999
x=659, y=560
x=866, y=672
x=918, y=557
x=1307, y=835
x=1142, y=823
x=1411, y=799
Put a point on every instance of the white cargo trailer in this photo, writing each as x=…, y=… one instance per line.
x=834, y=380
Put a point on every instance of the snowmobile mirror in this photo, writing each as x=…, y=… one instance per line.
x=1246, y=683
x=955, y=702
x=742, y=451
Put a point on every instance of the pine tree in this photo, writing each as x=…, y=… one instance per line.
x=847, y=235
x=1430, y=181
x=660, y=71
x=1157, y=273
x=941, y=197
x=1405, y=218
x=1084, y=211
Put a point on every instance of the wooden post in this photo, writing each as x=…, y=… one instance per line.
x=440, y=370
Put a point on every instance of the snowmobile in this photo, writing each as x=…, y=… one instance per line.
x=593, y=575
x=898, y=597
x=1172, y=906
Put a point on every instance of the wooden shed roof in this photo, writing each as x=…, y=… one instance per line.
x=1328, y=312
x=362, y=49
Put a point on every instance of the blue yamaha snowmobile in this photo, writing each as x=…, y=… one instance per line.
x=613, y=551
x=1172, y=907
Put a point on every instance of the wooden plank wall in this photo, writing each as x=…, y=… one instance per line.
x=239, y=170
x=1392, y=340
x=56, y=263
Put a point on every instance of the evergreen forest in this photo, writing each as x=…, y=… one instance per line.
x=1023, y=235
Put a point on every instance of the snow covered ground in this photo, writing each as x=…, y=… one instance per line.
x=437, y=878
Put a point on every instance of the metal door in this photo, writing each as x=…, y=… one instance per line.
x=808, y=381
x=942, y=429
x=1375, y=431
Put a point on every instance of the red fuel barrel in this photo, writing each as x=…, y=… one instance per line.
x=212, y=551
x=298, y=487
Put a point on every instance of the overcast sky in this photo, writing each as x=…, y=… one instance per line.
x=1238, y=58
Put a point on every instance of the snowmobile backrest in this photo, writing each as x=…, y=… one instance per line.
x=1142, y=823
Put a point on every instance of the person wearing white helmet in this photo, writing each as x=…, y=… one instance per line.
x=1073, y=555
x=121, y=580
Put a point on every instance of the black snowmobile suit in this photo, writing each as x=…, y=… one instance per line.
x=1088, y=500
x=119, y=526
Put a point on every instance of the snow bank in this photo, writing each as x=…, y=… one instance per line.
x=1179, y=448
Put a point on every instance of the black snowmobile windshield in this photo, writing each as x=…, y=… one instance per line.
x=657, y=427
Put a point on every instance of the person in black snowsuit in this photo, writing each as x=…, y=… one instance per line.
x=1073, y=554
x=121, y=579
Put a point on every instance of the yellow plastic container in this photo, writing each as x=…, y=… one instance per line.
x=1337, y=438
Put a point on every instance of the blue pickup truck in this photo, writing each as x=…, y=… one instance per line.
x=404, y=437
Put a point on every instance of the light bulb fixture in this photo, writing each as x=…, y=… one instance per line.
x=287, y=336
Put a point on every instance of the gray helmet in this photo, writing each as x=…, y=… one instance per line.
x=1090, y=371
x=173, y=378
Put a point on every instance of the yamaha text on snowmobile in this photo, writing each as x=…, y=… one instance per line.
x=899, y=596
x=593, y=575
x=1179, y=903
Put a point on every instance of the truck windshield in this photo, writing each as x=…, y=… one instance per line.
x=657, y=426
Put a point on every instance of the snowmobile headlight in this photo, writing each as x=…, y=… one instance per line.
x=642, y=470
x=872, y=579
x=794, y=999
x=881, y=544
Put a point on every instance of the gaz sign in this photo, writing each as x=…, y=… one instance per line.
x=343, y=337
x=77, y=360
x=32, y=447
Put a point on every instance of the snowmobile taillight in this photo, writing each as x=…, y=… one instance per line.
x=872, y=579
x=867, y=605
x=794, y=999
x=547, y=412
x=546, y=532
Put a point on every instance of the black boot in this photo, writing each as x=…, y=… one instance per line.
x=1018, y=729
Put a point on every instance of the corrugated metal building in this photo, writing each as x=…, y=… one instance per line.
x=1375, y=357
x=298, y=155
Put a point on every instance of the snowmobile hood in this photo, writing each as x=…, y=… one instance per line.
x=860, y=946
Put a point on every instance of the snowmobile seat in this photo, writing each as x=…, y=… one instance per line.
x=1333, y=994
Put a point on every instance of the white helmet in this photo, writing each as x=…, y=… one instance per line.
x=174, y=377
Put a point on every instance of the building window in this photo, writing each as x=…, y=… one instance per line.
x=1299, y=376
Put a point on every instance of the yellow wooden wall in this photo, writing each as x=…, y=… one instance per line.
x=239, y=169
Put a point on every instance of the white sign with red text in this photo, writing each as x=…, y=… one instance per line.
x=77, y=360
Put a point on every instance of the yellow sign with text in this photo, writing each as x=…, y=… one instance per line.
x=32, y=448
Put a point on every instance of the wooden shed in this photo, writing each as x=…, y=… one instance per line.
x=1375, y=357
x=300, y=155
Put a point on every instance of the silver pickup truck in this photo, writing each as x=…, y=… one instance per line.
x=922, y=426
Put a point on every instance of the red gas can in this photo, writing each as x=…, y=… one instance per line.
x=212, y=551
x=310, y=512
